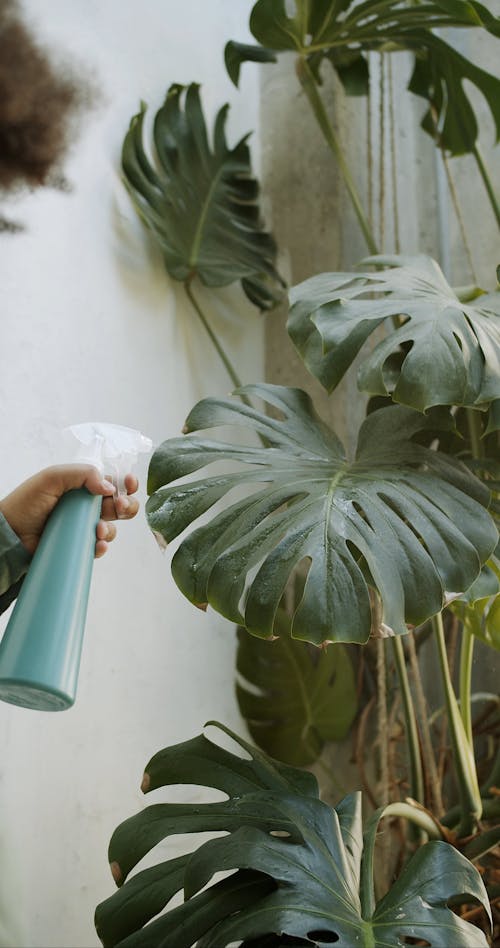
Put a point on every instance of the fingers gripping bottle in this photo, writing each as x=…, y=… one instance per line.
x=41, y=647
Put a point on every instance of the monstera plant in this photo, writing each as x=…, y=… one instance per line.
x=381, y=540
x=315, y=553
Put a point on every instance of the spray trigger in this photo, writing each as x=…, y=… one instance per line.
x=112, y=449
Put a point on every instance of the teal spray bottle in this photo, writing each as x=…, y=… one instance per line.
x=42, y=644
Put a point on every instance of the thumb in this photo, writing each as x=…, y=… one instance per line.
x=73, y=476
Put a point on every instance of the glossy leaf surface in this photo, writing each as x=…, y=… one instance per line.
x=446, y=352
x=294, y=697
x=399, y=517
x=297, y=866
x=200, y=201
x=343, y=32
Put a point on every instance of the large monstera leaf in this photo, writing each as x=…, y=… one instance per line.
x=400, y=518
x=445, y=352
x=200, y=201
x=300, y=868
x=343, y=32
x=294, y=697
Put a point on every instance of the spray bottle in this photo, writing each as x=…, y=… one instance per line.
x=41, y=647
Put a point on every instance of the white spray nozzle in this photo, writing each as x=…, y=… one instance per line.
x=112, y=449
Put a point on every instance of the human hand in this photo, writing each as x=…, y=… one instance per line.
x=28, y=507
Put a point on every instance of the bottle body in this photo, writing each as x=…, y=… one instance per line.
x=41, y=648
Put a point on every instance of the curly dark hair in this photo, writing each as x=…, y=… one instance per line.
x=38, y=105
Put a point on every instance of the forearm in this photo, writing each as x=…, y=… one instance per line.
x=14, y=563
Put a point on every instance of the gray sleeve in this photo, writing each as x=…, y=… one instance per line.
x=14, y=563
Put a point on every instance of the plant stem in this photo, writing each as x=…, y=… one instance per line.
x=467, y=640
x=491, y=813
x=416, y=775
x=310, y=88
x=429, y=760
x=466, y=654
x=465, y=765
x=494, y=777
x=419, y=817
x=213, y=338
x=487, y=182
x=474, y=426
x=382, y=724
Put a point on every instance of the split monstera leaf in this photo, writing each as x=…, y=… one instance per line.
x=400, y=518
x=442, y=352
x=199, y=199
x=295, y=867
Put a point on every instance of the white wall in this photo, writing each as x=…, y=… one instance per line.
x=91, y=328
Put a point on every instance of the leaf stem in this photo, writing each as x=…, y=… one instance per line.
x=213, y=338
x=418, y=816
x=474, y=426
x=495, y=205
x=467, y=640
x=310, y=88
x=416, y=774
x=427, y=750
x=494, y=777
x=465, y=765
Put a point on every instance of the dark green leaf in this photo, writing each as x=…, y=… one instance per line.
x=270, y=19
x=204, y=763
x=445, y=352
x=298, y=872
x=488, y=470
x=413, y=516
x=237, y=53
x=439, y=78
x=486, y=586
x=293, y=696
x=181, y=926
x=350, y=65
x=143, y=897
x=354, y=75
x=200, y=201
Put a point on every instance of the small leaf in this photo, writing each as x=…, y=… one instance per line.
x=294, y=697
x=237, y=53
x=200, y=201
x=271, y=25
x=439, y=78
